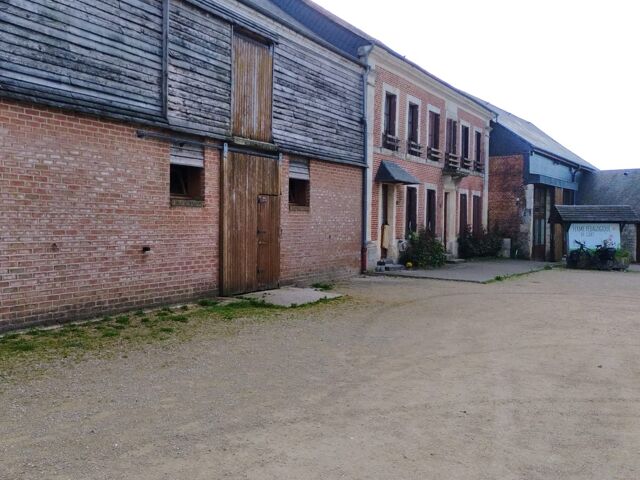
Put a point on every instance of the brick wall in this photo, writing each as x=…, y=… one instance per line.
x=426, y=171
x=81, y=196
x=507, y=195
x=325, y=241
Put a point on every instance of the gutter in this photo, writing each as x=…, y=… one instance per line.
x=366, y=170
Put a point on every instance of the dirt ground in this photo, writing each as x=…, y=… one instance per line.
x=533, y=378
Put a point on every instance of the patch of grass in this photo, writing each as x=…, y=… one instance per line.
x=39, y=346
x=207, y=303
x=548, y=267
x=325, y=287
x=184, y=308
x=139, y=313
x=21, y=345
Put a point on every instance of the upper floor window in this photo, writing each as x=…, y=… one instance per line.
x=434, y=136
x=414, y=147
x=390, y=139
x=434, y=130
x=465, y=141
x=478, y=159
x=252, y=88
x=452, y=137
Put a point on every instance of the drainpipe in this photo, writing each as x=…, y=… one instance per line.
x=364, y=56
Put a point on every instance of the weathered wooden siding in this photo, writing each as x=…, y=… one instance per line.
x=108, y=58
x=318, y=104
x=199, y=67
x=103, y=55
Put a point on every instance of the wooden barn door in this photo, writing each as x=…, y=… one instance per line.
x=252, y=88
x=250, y=223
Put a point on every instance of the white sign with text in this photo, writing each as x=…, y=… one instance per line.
x=594, y=234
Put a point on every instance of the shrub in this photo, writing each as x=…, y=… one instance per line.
x=424, y=250
x=481, y=244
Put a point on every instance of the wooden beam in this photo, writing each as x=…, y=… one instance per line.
x=166, y=7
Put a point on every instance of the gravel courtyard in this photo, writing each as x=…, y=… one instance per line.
x=536, y=377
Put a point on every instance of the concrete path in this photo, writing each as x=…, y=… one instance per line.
x=535, y=378
x=475, y=271
x=291, y=296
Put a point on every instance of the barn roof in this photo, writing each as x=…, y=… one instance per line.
x=594, y=214
x=611, y=187
x=536, y=138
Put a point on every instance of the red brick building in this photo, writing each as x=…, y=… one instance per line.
x=438, y=137
x=140, y=165
x=430, y=139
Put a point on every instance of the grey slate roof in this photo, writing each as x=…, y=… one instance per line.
x=535, y=137
x=594, y=214
x=390, y=172
x=611, y=187
x=349, y=38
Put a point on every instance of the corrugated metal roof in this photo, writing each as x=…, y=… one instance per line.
x=535, y=137
x=611, y=187
x=594, y=214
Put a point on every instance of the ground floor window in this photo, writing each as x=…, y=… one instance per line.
x=186, y=176
x=187, y=182
x=299, y=183
x=411, y=224
x=464, y=221
x=477, y=215
x=431, y=208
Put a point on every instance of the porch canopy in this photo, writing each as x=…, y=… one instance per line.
x=390, y=172
x=569, y=214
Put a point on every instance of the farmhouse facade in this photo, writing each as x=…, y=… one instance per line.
x=427, y=143
x=156, y=151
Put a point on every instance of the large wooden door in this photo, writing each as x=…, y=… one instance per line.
x=539, y=223
x=252, y=88
x=250, y=223
x=268, y=273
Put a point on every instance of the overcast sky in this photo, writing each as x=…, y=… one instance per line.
x=571, y=67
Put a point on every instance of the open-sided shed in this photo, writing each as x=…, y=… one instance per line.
x=596, y=224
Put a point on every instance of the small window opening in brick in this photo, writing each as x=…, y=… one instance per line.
x=187, y=182
x=299, y=192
